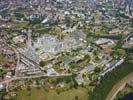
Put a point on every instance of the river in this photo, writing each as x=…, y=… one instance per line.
x=128, y=96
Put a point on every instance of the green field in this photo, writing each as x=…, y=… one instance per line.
x=41, y=31
x=1, y=58
x=41, y=94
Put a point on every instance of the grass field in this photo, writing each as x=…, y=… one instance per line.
x=41, y=94
x=21, y=25
x=1, y=58
x=42, y=31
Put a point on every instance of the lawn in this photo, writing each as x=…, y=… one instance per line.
x=1, y=58
x=41, y=94
x=42, y=31
x=19, y=25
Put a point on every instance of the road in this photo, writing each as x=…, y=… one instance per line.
x=127, y=37
x=34, y=76
x=119, y=86
x=5, y=8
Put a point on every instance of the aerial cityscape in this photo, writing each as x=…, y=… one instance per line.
x=66, y=49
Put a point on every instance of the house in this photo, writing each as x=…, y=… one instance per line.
x=79, y=79
x=128, y=44
x=1, y=87
x=8, y=75
x=50, y=70
x=67, y=60
x=45, y=21
x=78, y=34
x=109, y=67
x=88, y=69
x=104, y=43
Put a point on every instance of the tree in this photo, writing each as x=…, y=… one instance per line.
x=76, y=98
x=29, y=88
x=42, y=63
x=97, y=70
x=13, y=72
x=119, y=53
x=95, y=52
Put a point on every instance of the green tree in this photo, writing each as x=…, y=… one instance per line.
x=42, y=63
